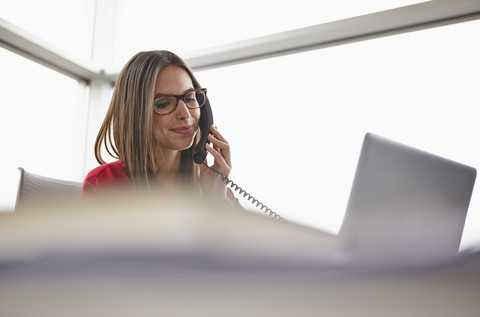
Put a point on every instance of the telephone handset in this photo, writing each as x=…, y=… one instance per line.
x=200, y=154
x=206, y=120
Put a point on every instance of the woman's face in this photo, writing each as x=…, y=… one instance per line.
x=175, y=131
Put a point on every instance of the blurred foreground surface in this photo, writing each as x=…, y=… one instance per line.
x=181, y=257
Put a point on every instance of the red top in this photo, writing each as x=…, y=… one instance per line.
x=105, y=177
x=113, y=175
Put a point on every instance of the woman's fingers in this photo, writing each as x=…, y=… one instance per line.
x=220, y=150
x=217, y=155
x=220, y=144
x=217, y=134
x=217, y=144
x=215, y=152
x=220, y=163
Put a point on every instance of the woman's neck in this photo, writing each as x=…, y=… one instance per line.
x=168, y=167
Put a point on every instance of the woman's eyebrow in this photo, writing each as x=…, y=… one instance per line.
x=166, y=95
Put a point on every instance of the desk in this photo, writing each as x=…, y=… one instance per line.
x=170, y=260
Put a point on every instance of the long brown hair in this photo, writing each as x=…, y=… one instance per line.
x=129, y=118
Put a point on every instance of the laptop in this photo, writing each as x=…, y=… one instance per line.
x=406, y=206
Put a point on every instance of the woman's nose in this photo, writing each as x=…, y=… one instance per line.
x=182, y=111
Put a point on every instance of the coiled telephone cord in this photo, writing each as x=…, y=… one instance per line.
x=245, y=194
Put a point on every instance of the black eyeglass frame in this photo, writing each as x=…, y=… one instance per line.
x=181, y=97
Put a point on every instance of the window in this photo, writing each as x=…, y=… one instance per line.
x=148, y=25
x=296, y=122
x=41, y=123
x=68, y=25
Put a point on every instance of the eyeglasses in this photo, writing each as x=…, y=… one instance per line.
x=165, y=104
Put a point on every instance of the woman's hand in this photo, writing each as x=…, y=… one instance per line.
x=212, y=184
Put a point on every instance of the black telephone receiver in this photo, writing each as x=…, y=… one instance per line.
x=200, y=154
x=206, y=120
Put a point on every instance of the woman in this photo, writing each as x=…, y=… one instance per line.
x=154, y=119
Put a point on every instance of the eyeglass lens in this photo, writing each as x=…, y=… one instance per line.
x=192, y=99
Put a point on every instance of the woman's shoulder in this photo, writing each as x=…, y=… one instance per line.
x=108, y=170
x=106, y=175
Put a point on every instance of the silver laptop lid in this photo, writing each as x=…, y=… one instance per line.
x=406, y=206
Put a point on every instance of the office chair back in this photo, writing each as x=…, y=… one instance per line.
x=35, y=189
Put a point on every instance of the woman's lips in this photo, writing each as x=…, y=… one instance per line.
x=185, y=130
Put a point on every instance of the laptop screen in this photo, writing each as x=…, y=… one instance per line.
x=405, y=205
